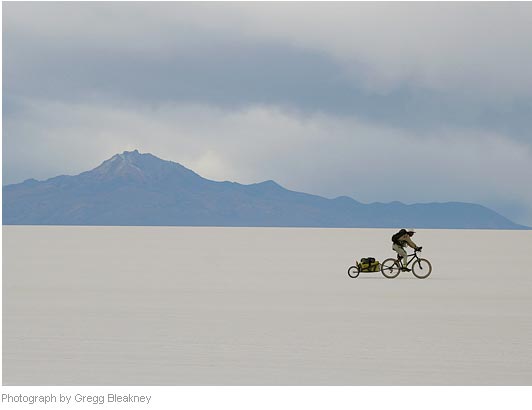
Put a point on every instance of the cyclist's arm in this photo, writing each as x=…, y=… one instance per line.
x=410, y=243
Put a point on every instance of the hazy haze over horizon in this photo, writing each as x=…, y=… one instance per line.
x=322, y=98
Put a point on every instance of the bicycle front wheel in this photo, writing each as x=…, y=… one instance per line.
x=390, y=268
x=421, y=268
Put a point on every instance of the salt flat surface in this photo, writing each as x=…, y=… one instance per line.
x=262, y=306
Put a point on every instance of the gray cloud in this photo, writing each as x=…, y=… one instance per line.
x=235, y=73
x=229, y=89
x=439, y=46
x=245, y=53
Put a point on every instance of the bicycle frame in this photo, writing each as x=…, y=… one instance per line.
x=413, y=256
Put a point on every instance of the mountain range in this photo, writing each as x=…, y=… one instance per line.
x=141, y=189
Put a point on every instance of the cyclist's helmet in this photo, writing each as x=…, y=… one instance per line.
x=410, y=231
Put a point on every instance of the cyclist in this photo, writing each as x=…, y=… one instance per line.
x=400, y=240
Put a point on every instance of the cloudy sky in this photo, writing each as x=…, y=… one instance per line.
x=415, y=102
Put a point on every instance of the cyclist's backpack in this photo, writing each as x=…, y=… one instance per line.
x=396, y=236
x=369, y=265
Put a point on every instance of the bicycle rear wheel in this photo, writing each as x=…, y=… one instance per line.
x=421, y=268
x=390, y=268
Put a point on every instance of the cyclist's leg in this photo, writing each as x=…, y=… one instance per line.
x=402, y=253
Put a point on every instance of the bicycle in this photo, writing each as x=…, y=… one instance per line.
x=421, y=268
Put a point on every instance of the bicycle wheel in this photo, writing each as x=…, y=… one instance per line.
x=421, y=268
x=390, y=268
x=353, y=271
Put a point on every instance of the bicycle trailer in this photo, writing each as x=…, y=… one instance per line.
x=368, y=264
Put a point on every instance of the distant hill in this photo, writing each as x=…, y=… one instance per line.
x=140, y=189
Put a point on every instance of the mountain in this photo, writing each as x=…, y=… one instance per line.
x=140, y=189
